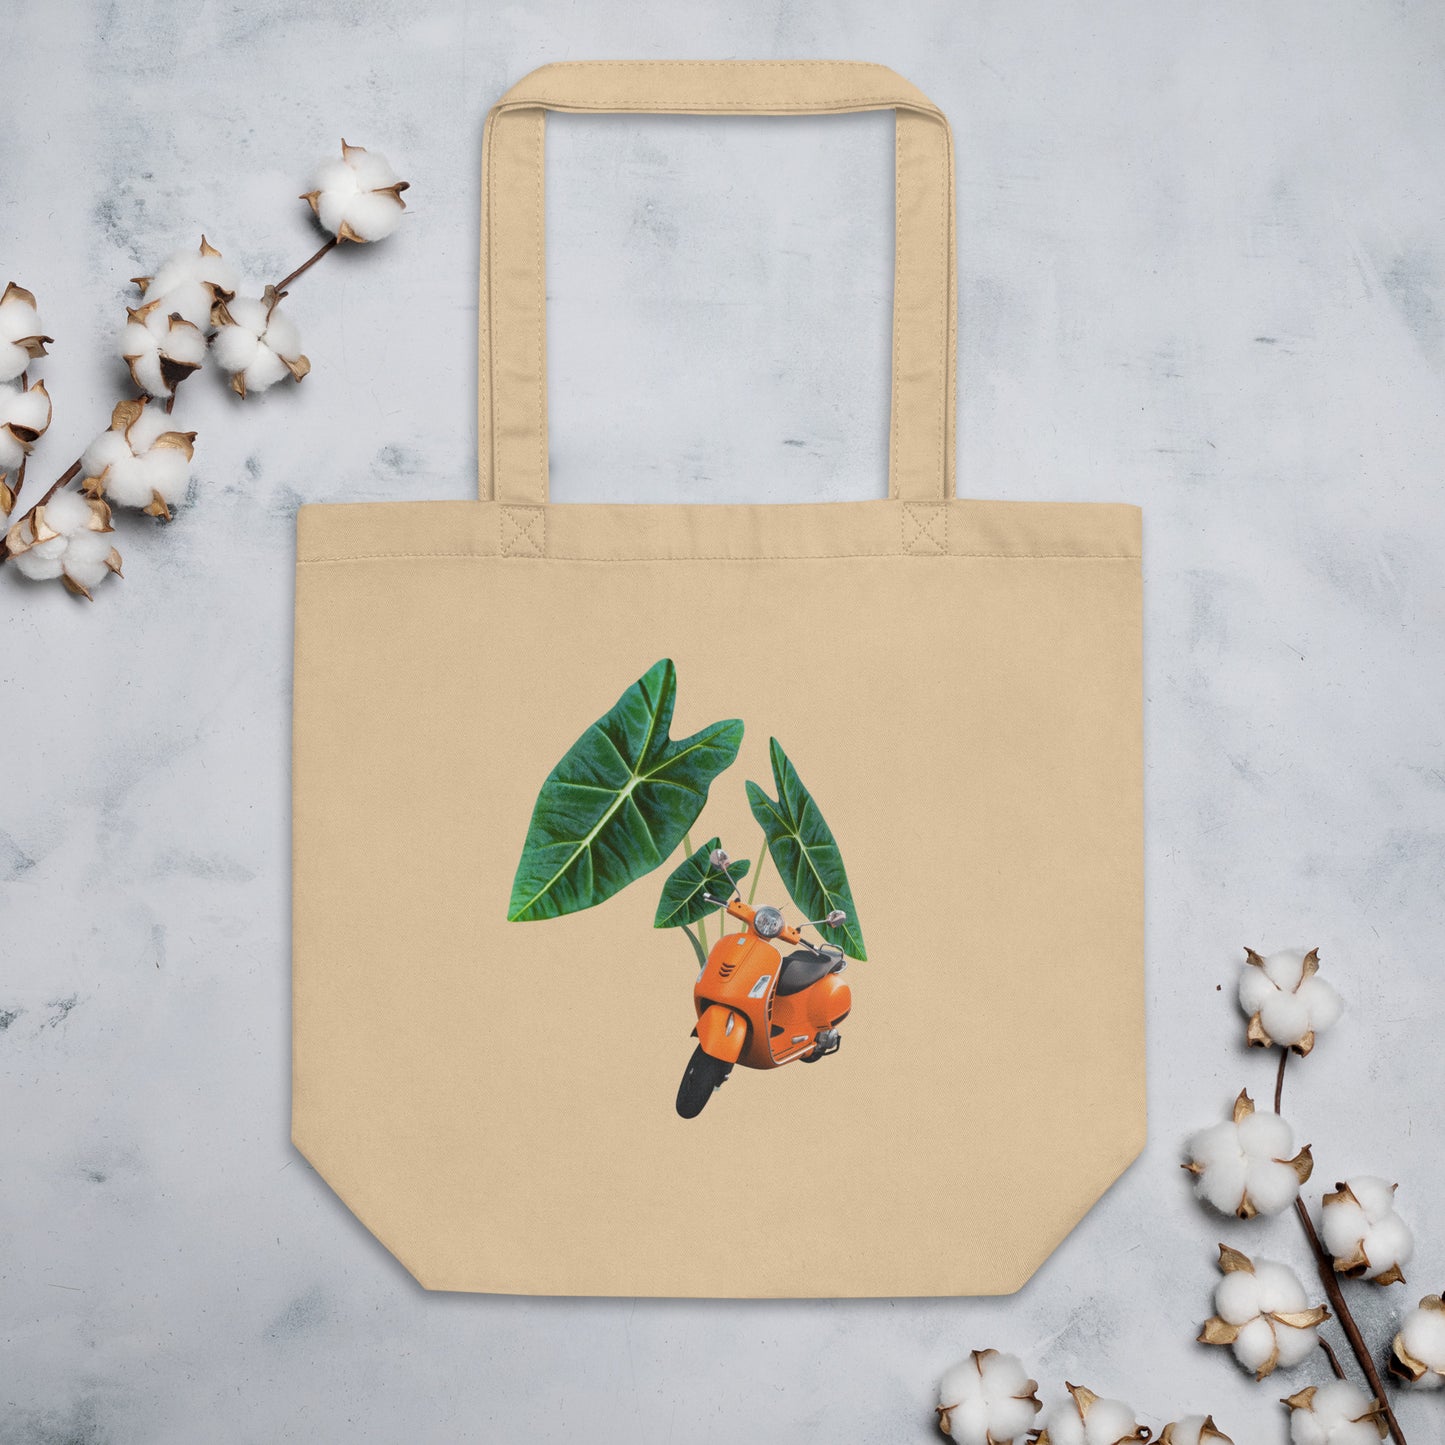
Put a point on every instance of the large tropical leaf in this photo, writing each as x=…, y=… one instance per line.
x=682, y=898
x=619, y=802
x=805, y=852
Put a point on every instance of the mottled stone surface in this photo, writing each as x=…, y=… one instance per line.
x=1202, y=269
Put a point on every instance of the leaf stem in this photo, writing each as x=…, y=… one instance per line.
x=305, y=266
x=1326, y=1269
x=697, y=948
x=758, y=871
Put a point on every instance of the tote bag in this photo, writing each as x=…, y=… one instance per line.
x=522, y=730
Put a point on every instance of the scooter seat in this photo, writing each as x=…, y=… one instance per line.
x=804, y=968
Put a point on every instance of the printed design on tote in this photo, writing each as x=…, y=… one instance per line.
x=623, y=799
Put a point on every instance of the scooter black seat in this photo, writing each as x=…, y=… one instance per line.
x=804, y=968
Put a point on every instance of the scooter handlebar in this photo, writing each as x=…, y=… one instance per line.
x=746, y=912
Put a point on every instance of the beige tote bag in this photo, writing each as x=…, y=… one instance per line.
x=533, y=1052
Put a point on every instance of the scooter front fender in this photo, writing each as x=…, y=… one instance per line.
x=722, y=1032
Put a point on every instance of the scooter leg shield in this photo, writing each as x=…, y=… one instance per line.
x=722, y=1032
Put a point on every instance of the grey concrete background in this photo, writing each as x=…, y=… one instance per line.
x=1202, y=269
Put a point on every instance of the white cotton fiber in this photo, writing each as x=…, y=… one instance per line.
x=234, y=347
x=988, y=1399
x=1364, y=1223
x=1272, y=1186
x=357, y=193
x=68, y=512
x=1280, y=1290
x=1288, y=1007
x=1335, y=1416
x=1107, y=1422
x=1423, y=1335
x=1255, y=1344
x=85, y=557
x=261, y=345
x=1285, y=1017
x=19, y=322
x=1264, y=1135
x=189, y=282
x=12, y=453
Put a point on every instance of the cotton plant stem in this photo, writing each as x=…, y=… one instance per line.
x=305, y=266
x=1326, y=1268
x=1333, y=1358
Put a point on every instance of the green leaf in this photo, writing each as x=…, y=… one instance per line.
x=619, y=802
x=682, y=898
x=806, y=853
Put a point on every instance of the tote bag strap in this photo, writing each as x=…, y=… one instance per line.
x=512, y=369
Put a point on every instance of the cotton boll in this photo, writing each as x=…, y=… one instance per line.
x=1363, y=1233
x=190, y=283
x=357, y=198
x=1088, y=1420
x=22, y=338
x=1286, y=1002
x=987, y=1399
x=138, y=462
x=1418, y=1353
x=66, y=537
x=258, y=343
x=87, y=558
x=1334, y=1414
x=24, y=417
x=1263, y=1313
x=160, y=349
x=1242, y=1166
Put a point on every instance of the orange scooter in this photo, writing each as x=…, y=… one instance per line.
x=758, y=1007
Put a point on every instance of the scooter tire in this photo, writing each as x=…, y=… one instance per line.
x=704, y=1075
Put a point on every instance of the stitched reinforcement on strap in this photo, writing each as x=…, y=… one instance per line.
x=925, y=529
x=523, y=531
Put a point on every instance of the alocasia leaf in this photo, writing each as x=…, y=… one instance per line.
x=805, y=852
x=682, y=895
x=619, y=802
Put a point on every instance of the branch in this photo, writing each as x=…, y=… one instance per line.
x=1326, y=1268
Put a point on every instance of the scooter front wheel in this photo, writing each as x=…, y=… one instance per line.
x=704, y=1074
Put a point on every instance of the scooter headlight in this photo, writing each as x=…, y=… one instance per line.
x=767, y=923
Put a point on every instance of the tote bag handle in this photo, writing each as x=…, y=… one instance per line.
x=512, y=359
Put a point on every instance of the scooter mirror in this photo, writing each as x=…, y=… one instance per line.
x=719, y=858
x=836, y=917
